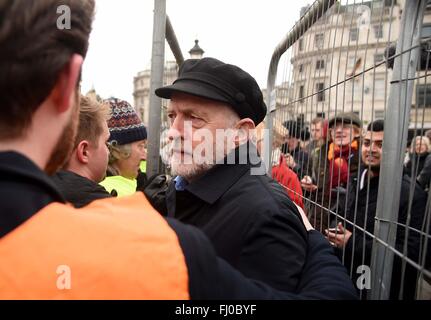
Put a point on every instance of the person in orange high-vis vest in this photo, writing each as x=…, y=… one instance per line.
x=95, y=245
x=113, y=248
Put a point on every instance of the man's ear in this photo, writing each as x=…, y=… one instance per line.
x=64, y=91
x=82, y=152
x=244, y=127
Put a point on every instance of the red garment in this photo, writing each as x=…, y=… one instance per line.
x=289, y=180
x=339, y=163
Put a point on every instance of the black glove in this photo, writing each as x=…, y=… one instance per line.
x=141, y=180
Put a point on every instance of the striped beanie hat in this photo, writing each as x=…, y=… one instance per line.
x=124, y=124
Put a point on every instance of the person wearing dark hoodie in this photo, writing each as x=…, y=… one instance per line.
x=79, y=179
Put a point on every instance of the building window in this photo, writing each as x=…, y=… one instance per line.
x=379, y=114
x=320, y=93
x=301, y=92
x=377, y=4
x=301, y=44
x=301, y=67
x=423, y=96
x=318, y=40
x=379, y=89
x=320, y=64
x=320, y=115
x=378, y=57
x=378, y=31
x=353, y=34
x=426, y=30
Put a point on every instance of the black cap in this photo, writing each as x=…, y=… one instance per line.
x=215, y=80
x=305, y=134
x=294, y=128
x=346, y=118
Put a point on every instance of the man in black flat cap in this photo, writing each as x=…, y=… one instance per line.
x=249, y=218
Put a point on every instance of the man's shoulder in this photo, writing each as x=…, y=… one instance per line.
x=261, y=194
x=77, y=189
x=124, y=217
x=127, y=229
x=71, y=179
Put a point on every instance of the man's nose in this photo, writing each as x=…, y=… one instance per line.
x=176, y=129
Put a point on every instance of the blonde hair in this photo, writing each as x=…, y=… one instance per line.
x=424, y=140
x=117, y=152
x=92, y=114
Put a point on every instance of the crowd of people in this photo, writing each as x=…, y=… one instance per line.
x=338, y=173
x=74, y=190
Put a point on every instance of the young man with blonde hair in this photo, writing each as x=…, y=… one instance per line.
x=80, y=177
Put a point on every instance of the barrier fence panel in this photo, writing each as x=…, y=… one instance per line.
x=349, y=118
x=163, y=73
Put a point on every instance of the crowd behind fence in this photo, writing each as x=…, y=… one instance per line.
x=353, y=107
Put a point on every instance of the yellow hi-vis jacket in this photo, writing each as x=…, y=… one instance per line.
x=123, y=186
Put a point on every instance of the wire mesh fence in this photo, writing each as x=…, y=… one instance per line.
x=350, y=119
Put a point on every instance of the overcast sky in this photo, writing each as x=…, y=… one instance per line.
x=241, y=32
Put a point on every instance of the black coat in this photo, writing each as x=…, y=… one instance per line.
x=365, y=217
x=424, y=175
x=250, y=220
x=415, y=165
x=77, y=189
x=303, y=165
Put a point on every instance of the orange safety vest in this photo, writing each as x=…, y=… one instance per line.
x=115, y=248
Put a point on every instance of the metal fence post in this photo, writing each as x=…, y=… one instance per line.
x=171, y=38
x=307, y=20
x=157, y=69
x=395, y=140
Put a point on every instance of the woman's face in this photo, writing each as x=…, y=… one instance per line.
x=420, y=147
x=129, y=167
